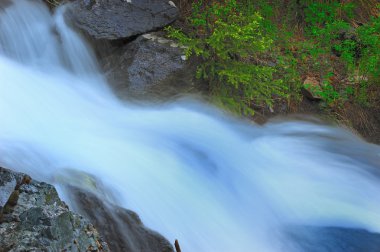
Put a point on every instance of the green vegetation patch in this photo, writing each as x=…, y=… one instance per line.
x=254, y=54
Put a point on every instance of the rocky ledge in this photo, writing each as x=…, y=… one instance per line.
x=119, y=19
x=121, y=228
x=33, y=218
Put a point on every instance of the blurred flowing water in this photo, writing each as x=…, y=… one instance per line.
x=190, y=172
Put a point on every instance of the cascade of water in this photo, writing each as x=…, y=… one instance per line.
x=26, y=35
x=214, y=183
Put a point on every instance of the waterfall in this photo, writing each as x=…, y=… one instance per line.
x=191, y=172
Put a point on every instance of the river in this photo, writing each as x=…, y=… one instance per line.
x=190, y=171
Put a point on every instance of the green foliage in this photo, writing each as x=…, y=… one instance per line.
x=324, y=27
x=328, y=93
x=369, y=37
x=253, y=53
x=232, y=44
x=329, y=30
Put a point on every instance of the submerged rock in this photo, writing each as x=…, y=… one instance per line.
x=336, y=239
x=119, y=19
x=35, y=219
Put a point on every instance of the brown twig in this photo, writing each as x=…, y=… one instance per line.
x=177, y=247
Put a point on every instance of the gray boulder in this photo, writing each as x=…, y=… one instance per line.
x=149, y=67
x=35, y=219
x=120, y=19
x=121, y=227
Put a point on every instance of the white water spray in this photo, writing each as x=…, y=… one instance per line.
x=214, y=183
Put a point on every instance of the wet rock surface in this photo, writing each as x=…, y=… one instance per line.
x=35, y=219
x=119, y=19
x=337, y=239
x=121, y=227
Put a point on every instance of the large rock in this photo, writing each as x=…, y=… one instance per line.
x=138, y=63
x=121, y=227
x=35, y=219
x=148, y=67
x=336, y=239
x=120, y=19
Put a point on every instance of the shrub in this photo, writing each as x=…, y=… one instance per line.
x=255, y=52
x=329, y=30
x=233, y=47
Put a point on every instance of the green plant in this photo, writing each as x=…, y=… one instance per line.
x=329, y=31
x=369, y=37
x=254, y=53
x=233, y=47
x=328, y=92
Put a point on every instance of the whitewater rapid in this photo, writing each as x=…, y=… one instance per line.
x=191, y=172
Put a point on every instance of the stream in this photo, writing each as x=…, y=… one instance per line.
x=191, y=171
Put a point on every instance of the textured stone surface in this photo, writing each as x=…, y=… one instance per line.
x=148, y=67
x=7, y=186
x=121, y=227
x=118, y=19
x=35, y=219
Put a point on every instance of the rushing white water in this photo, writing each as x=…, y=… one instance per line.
x=212, y=182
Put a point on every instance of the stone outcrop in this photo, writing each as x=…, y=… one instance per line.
x=120, y=19
x=33, y=218
x=122, y=228
x=138, y=62
x=148, y=67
